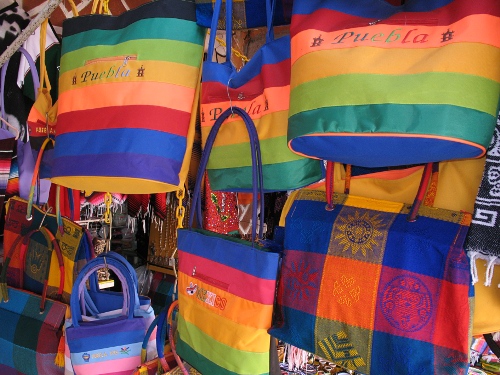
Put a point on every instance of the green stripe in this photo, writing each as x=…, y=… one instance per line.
x=443, y=120
x=194, y=341
x=426, y=88
x=277, y=177
x=159, y=50
x=152, y=28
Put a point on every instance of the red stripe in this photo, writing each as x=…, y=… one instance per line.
x=133, y=116
x=240, y=283
x=271, y=75
x=330, y=20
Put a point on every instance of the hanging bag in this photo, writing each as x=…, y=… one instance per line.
x=375, y=286
x=226, y=285
x=127, y=91
x=374, y=84
x=32, y=324
x=262, y=88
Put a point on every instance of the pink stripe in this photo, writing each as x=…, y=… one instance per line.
x=114, y=367
x=240, y=284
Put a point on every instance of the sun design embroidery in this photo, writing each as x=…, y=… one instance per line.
x=359, y=232
x=302, y=281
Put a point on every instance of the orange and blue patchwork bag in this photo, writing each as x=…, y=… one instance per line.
x=375, y=287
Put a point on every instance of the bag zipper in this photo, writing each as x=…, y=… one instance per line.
x=210, y=280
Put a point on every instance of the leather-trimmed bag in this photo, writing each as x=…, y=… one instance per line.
x=374, y=84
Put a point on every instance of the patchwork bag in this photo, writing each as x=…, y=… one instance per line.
x=127, y=91
x=375, y=286
x=32, y=324
x=109, y=344
x=262, y=88
x=226, y=286
x=374, y=84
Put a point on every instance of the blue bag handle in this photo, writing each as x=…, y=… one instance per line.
x=270, y=6
x=94, y=283
x=257, y=176
x=77, y=294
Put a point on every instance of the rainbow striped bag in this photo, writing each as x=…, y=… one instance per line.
x=127, y=92
x=226, y=286
x=375, y=85
x=262, y=88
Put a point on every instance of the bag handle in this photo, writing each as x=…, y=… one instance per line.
x=52, y=245
x=257, y=175
x=424, y=193
x=77, y=300
x=270, y=6
x=160, y=323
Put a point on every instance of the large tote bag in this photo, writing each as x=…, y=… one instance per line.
x=374, y=84
x=262, y=88
x=127, y=91
x=383, y=288
x=226, y=287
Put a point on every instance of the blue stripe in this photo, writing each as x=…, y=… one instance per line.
x=367, y=8
x=113, y=353
x=121, y=141
x=271, y=53
x=119, y=165
x=224, y=250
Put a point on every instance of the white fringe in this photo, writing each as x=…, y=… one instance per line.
x=473, y=255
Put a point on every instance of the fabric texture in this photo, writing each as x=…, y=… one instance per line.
x=262, y=88
x=141, y=85
x=364, y=287
x=352, y=65
x=482, y=239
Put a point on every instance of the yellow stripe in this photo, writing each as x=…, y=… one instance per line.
x=467, y=58
x=234, y=132
x=221, y=329
x=236, y=309
x=373, y=204
x=129, y=93
x=156, y=71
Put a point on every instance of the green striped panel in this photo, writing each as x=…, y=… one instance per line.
x=461, y=90
x=441, y=120
x=151, y=28
x=277, y=177
x=217, y=354
x=152, y=49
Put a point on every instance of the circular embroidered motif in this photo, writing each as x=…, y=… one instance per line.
x=407, y=303
x=359, y=231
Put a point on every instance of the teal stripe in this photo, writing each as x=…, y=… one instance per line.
x=277, y=177
x=151, y=49
x=151, y=28
x=461, y=90
x=442, y=120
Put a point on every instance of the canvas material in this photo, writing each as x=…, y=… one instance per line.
x=72, y=240
x=363, y=287
x=262, y=88
x=357, y=109
x=149, y=91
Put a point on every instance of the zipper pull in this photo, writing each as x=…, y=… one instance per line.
x=194, y=271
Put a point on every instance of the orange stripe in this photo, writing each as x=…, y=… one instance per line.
x=127, y=93
x=256, y=108
x=480, y=28
x=234, y=308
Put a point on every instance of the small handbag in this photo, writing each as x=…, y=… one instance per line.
x=127, y=89
x=375, y=286
x=262, y=88
x=32, y=324
x=108, y=344
x=226, y=285
x=375, y=85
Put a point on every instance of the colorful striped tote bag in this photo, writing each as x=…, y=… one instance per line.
x=226, y=286
x=104, y=345
x=127, y=92
x=374, y=84
x=262, y=88
x=378, y=287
